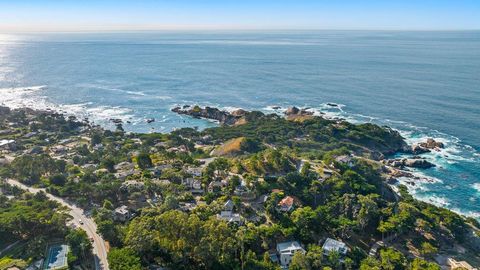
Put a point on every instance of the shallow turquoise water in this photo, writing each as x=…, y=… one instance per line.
x=422, y=83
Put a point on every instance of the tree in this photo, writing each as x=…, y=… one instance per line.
x=144, y=161
x=96, y=139
x=428, y=249
x=369, y=210
x=170, y=203
x=79, y=242
x=304, y=219
x=109, y=164
x=314, y=256
x=370, y=263
x=392, y=259
x=299, y=262
x=334, y=259
x=107, y=204
x=419, y=264
x=58, y=179
x=250, y=145
x=123, y=259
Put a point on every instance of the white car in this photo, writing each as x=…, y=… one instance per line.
x=80, y=221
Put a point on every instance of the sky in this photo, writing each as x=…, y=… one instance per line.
x=106, y=15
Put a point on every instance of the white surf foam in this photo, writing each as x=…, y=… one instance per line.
x=30, y=97
x=476, y=186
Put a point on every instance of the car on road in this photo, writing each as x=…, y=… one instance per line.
x=80, y=221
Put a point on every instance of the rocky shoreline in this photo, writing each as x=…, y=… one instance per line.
x=395, y=168
x=222, y=117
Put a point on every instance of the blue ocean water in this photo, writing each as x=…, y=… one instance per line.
x=426, y=84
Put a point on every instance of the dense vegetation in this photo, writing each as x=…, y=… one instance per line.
x=173, y=225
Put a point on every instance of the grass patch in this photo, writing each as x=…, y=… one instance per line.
x=230, y=147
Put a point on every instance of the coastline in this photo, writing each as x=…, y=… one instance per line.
x=418, y=185
x=349, y=168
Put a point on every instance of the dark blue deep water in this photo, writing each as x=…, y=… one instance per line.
x=422, y=83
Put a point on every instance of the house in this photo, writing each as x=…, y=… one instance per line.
x=229, y=205
x=194, y=185
x=454, y=264
x=124, y=166
x=121, y=213
x=97, y=146
x=157, y=170
x=163, y=182
x=7, y=144
x=195, y=172
x=287, y=204
x=132, y=186
x=89, y=166
x=331, y=245
x=187, y=207
x=161, y=145
x=327, y=173
x=240, y=190
x=273, y=256
x=30, y=134
x=230, y=217
x=344, y=159
x=286, y=251
x=216, y=186
x=197, y=185
x=124, y=174
x=58, y=150
x=188, y=182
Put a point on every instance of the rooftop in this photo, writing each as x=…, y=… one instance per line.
x=334, y=245
x=288, y=246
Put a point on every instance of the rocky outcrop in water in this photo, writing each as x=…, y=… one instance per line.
x=296, y=111
x=409, y=162
x=425, y=147
x=223, y=117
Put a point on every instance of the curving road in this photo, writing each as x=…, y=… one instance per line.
x=99, y=245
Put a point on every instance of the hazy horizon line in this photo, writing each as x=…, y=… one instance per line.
x=233, y=29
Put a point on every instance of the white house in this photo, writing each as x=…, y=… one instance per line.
x=331, y=245
x=229, y=205
x=286, y=250
x=230, y=217
x=194, y=171
x=194, y=185
x=121, y=213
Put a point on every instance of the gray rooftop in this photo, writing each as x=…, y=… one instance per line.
x=334, y=245
x=288, y=246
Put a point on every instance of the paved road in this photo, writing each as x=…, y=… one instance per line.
x=9, y=247
x=99, y=245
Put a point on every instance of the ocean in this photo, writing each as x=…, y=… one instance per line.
x=425, y=84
